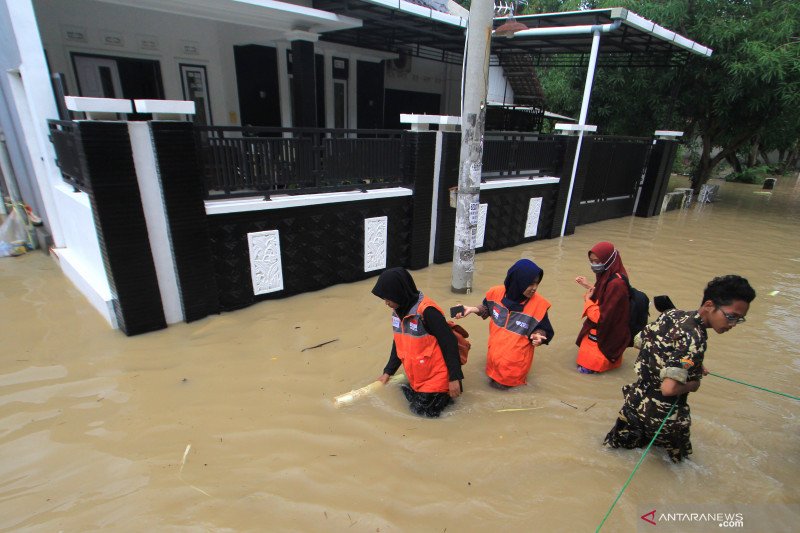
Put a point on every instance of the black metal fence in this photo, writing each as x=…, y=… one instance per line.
x=615, y=166
x=65, y=136
x=246, y=161
x=510, y=154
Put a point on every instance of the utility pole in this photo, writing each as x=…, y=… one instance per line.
x=473, y=120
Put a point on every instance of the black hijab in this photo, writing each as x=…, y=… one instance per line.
x=397, y=285
x=521, y=275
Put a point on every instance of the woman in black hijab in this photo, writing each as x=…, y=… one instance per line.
x=423, y=344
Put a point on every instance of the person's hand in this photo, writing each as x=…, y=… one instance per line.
x=581, y=280
x=692, y=386
x=455, y=388
x=467, y=311
x=384, y=378
x=537, y=339
x=704, y=369
x=588, y=295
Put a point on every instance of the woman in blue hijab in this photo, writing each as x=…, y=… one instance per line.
x=519, y=323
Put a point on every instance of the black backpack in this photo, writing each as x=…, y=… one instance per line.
x=639, y=308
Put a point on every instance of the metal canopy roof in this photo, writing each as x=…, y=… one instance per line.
x=635, y=42
x=399, y=26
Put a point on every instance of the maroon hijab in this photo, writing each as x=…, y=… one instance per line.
x=611, y=294
x=610, y=257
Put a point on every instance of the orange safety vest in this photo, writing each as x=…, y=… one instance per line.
x=421, y=355
x=589, y=354
x=510, y=353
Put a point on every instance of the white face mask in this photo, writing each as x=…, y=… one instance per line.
x=597, y=268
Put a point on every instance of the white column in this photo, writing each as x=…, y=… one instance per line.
x=144, y=160
x=587, y=93
x=437, y=163
x=35, y=104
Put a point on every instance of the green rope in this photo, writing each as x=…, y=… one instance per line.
x=756, y=387
x=625, y=486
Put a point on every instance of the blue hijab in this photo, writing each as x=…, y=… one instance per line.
x=520, y=276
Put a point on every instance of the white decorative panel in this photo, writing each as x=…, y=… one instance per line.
x=375, y=243
x=74, y=34
x=534, y=210
x=482, y=210
x=265, y=261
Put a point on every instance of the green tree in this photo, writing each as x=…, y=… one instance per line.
x=747, y=93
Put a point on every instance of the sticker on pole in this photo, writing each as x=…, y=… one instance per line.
x=474, y=209
x=475, y=172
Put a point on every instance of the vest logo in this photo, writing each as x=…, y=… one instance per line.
x=413, y=325
x=521, y=324
x=495, y=313
x=395, y=322
x=650, y=517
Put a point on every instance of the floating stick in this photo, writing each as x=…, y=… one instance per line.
x=318, y=345
x=180, y=472
x=353, y=395
x=518, y=409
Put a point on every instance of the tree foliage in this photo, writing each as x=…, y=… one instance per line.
x=744, y=98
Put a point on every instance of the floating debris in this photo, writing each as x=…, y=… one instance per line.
x=180, y=472
x=318, y=345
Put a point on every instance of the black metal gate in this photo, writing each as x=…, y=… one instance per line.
x=613, y=167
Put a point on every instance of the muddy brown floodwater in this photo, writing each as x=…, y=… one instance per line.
x=94, y=425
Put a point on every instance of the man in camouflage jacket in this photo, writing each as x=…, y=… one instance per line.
x=670, y=366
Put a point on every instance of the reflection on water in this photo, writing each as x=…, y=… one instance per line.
x=93, y=425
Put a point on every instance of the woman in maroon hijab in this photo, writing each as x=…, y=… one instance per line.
x=605, y=333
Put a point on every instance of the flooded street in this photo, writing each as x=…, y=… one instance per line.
x=94, y=425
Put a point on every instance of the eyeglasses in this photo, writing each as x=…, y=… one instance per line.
x=732, y=319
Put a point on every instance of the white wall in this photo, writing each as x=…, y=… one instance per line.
x=500, y=90
x=81, y=259
x=174, y=38
x=212, y=41
x=429, y=77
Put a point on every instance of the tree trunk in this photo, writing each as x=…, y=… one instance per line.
x=707, y=163
x=790, y=163
x=702, y=173
x=733, y=161
x=752, y=154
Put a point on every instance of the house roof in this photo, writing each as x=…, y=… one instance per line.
x=270, y=14
x=427, y=28
x=399, y=25
x=636, y=41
